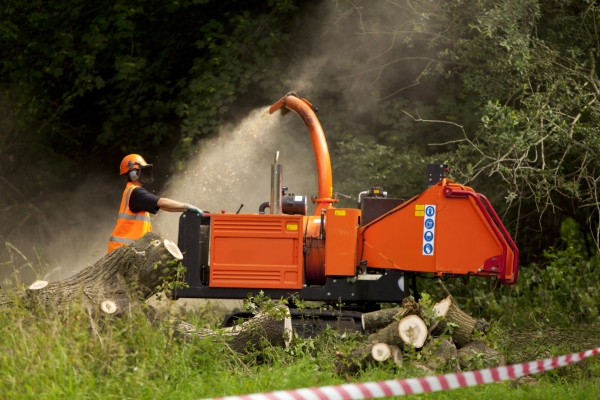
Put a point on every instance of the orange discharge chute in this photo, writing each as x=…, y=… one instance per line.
x=306, y=111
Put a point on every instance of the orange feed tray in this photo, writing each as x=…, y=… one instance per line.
x=434, y=233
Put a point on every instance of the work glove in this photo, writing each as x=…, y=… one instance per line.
x=194, y=209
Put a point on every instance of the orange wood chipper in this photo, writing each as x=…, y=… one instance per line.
x=358, y=256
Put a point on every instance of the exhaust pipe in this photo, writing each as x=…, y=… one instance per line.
x=276, y=186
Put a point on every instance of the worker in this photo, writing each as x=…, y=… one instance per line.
x=137, y=203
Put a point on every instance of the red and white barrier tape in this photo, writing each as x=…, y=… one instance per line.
x=401, y=387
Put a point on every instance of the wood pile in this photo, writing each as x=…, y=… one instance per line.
x=436, y=338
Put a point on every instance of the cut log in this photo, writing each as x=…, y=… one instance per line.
x=477, y=354
x=438, y=325
x=449, y=312
x=461, y=335
x=410, y=305
x=397, y=356
x=264, y=329
x=381, y=352
x=38, y=285
x=378, y=319
x=129, y=274
x=441, y=308
x=439, y=353
x=413, y=331
x=381, y=318
x=389, y=335
x=108, y=306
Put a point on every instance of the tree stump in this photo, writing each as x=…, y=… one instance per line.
x=129, y=274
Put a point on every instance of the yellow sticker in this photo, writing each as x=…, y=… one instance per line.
x=291, y=227
x=419, y=213
x=376, y=191
x=340, y=213
x=419, y=207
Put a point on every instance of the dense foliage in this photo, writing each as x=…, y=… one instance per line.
x=505, y=91
x=507, y=88
x=131, y=73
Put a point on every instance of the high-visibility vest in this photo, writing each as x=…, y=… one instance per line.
x=130, y=226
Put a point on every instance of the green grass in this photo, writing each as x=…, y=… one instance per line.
x=48, y=356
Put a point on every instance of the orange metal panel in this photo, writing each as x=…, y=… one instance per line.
x=256, y=251
x=340, y=242
x=460, y=238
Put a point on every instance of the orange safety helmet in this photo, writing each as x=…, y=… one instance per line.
x=133, y=162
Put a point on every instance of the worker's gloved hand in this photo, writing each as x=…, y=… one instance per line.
x=194, y=209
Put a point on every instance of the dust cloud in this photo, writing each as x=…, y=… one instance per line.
x=234, y=168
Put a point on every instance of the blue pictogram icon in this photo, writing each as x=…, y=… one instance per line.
x=429, y=211
x=428, y=236
x=429, y=223
x=428, y=248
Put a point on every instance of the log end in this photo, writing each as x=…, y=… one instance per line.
x=173, y=249
x=37, y=285
x=288, y=330
x=108, y=306
x=397, y=356
x=381, y=352
x=412, y=330
x=441, y=308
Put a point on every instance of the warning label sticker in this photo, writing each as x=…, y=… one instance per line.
x=429, y=230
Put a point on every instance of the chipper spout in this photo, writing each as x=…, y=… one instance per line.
x=306, y=111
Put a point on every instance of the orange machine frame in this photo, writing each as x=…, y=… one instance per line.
x=466, y=236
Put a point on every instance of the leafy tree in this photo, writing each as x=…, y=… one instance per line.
x=525, y=91
x=125, y=74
